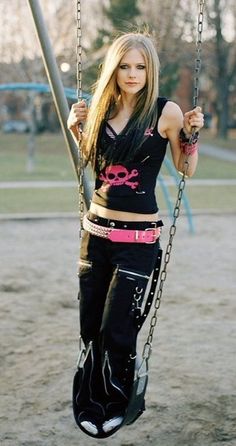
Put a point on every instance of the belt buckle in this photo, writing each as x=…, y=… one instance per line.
x=154, y=235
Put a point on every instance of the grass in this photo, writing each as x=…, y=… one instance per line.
x=211, y=168
x=230, y=144
x=66, y=199
x=52, y=163
x=207, y=197
x=38, y=200
x=51, y=160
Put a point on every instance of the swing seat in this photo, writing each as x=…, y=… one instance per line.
x=136, y=404
x=135, y=407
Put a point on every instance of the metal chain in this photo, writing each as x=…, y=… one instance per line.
x=79, y=98
x=157, y=302
x=198, y=53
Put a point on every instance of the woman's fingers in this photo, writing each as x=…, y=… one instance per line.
x=77, y=114
x=194, y=118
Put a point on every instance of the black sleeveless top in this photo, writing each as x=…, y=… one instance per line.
x=130, y=186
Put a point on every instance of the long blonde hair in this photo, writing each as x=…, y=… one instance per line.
x=106, y=91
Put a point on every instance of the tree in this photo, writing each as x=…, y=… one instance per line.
x=173, y=27
x=221, y=15
x=117, y=16
x=122, y=13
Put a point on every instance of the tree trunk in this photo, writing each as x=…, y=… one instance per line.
x=31, y=138
x=223, y=108
x=222, y=52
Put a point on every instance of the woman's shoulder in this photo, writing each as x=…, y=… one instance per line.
x=171, y=116
x=171, y=110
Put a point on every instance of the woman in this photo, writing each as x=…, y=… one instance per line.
x=125, y=134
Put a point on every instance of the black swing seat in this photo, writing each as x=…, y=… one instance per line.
x=135, y=406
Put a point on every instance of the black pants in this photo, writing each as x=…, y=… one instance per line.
x=113, y=279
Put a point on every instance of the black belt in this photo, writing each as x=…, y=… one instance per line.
x=120, y=224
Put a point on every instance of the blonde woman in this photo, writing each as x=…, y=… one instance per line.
x=126, y=131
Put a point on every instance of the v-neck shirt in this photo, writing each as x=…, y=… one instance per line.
x=130, y=186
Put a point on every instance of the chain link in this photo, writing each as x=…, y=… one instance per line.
x=198, y=52
x=79, y=97
x=147, y=350
x=79, y=52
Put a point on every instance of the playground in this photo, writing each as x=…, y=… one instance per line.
x=191, y=393
x=190, y=399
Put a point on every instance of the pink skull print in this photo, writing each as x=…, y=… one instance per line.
x=118, y=176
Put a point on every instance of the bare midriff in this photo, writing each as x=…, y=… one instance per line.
x=103, y=212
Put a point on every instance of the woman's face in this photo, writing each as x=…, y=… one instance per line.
x=131, y=73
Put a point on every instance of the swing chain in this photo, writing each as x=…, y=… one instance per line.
x=147, y=349
x=198, y=52
x=79, y=52
x=80, y=130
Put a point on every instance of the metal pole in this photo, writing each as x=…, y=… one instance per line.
x=58, y=93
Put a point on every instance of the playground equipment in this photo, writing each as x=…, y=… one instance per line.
x=70, y=93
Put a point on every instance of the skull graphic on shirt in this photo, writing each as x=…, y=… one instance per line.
x=118, y=175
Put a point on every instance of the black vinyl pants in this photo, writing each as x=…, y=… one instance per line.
x=113, y=279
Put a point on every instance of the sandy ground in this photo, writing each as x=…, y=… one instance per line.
x=191, y=398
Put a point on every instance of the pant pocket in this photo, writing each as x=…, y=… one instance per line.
x=122, y=306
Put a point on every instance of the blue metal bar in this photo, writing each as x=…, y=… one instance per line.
x=40, y=88
x=174, y=174
x=166, y=194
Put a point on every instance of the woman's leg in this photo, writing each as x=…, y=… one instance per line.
x=120, y=318
x=95, y=274
x=113, y=280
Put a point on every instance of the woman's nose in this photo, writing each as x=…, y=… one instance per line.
x=132, y=73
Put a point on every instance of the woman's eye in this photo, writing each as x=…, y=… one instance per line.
x=139, y=67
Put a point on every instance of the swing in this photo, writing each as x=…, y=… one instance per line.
x=136, y=404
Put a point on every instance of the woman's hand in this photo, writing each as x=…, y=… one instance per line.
x=78, y=114
x=193, y=119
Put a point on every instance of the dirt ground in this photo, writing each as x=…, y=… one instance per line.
x=191, y=397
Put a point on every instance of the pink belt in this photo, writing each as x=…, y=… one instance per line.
x=149, y=235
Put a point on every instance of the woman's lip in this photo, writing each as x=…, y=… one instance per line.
x=131, y=83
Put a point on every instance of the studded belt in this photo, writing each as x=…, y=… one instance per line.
x=148, y=235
